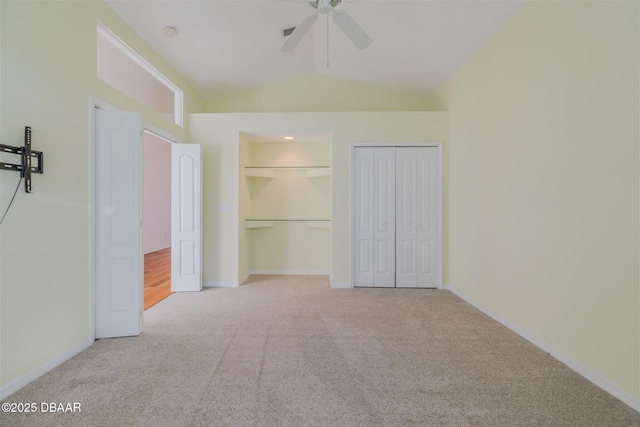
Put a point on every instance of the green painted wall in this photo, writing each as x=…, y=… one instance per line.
x=48, y=74
x=318, y=93
x=543, y=182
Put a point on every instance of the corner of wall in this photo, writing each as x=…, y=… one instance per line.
x=436, y=102
x=597, y=379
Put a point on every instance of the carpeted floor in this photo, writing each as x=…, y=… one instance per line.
x=291, y=351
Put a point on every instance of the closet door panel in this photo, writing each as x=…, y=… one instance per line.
x=364, y=216
x=427, y=199
x=384, y=217
x=408, y=218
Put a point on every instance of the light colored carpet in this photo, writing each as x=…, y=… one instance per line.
x=291, y=351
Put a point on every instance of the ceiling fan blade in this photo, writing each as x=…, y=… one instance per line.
x=294, y=38
x=351, y=28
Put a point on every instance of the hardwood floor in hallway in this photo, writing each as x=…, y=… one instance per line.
x=157, y=277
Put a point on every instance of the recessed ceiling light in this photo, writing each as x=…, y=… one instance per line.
x=170, y=31
x=288, y=138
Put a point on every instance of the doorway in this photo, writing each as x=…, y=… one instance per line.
x=116, y=250
x=156, y=218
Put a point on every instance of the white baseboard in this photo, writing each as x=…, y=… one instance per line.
x=156, y=248
x=18, y=383
x=337, y=285
x=291, y=272
x=210, y=284
x=244, y=279
x=596, y=378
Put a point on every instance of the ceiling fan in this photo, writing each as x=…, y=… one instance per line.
x=352, y=30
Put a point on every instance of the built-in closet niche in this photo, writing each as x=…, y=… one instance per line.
x=286, y=212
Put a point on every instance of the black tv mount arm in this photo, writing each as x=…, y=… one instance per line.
x=26, y=154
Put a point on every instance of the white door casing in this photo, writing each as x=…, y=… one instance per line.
x=186, y=218
x=118, y=234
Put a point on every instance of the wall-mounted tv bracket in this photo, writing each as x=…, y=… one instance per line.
x=26, y=154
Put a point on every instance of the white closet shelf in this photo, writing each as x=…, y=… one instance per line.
x=259, y=173
x=269, y=171
x=314, y=173
x=265, y=223
x=249, y=223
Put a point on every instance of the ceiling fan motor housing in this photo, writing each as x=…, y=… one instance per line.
x=324, y=6
x=349, y=27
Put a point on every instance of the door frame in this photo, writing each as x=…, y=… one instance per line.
x=97, y=103
x=352, y=221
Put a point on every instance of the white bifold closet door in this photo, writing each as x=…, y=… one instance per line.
x=375, y=212
x=416, y=217
x=396, y=191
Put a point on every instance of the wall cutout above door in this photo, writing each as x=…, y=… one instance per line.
x=123, y=68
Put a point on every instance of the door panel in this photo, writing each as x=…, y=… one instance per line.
x=426, y=258
x=363, y=263
x=406, y=206
x=384, y=219
x=119, y=272
x=427, y=198
x=186, y=218
x=363, y=213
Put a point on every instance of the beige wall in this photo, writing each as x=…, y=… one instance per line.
x=223, y=146
x=544, y=182
x=48, y=74
x=318, y=93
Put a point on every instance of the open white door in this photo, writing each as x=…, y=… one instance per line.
x=119, y=264
x=186, y=218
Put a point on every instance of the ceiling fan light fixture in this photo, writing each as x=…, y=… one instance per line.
x=346, y=23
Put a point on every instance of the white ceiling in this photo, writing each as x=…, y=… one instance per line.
x=228, y=46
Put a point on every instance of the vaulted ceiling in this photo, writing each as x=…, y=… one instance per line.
x=224, y=47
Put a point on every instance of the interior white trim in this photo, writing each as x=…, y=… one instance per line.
x=124, y=48
x=246, y=276
x=22, y=381
x=161, y=134
x=352, y=185
x=596, y=378
x=339, y=285
x=291, y=272
x=156, y=248
x=211, y=284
